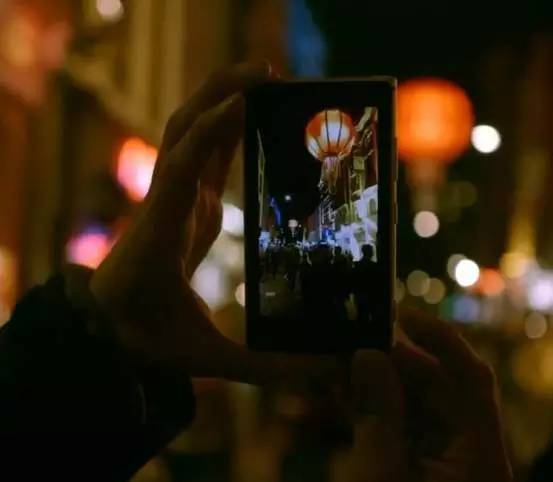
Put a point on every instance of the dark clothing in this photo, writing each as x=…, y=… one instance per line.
x=73, y=405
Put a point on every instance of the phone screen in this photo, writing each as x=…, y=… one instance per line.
x=320, y=279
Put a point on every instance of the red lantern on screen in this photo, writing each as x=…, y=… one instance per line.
x=329, y=137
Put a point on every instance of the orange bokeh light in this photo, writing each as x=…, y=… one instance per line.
x=135, y=167
x=490, y=283
x=434, y=121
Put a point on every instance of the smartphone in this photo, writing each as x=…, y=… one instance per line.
x=320, y=215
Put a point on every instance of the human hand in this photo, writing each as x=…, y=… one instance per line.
x=144, y=284
x=429, y=413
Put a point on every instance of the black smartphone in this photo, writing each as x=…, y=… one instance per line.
x=320, y=214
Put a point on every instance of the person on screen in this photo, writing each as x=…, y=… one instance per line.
x=365, y=283
x=95, y=366
x=341, y=274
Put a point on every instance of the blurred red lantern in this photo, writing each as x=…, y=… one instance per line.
x=434, y=120
x=434, y=125
x=135, y=167
x=329, y=137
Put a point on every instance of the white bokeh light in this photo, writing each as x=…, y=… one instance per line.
x=426, y=224
x=233, y=219
x=452, y=263
x=111, y=10
x=467, y=273
x=540, y=291
x=211, y=284
x=485, y=139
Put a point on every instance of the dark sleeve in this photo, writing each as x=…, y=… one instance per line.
x=73, y=406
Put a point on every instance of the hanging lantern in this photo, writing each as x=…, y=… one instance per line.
x=434, y=125
x=329, y=137
x=135, y=167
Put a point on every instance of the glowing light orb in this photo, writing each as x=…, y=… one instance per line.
x=89, y=248
x=490, y=282
x=466, y=309
x=535, y=326
x=514, y=265
x=418, y=283
x=434, y=120
x=452, y=263
x=426, y=224
x=233, y=219
x=467, y=273
x=110, y=10
x=135, y=167
x=540, y=291
x=436, y=291
x=486, y=139
x=288, y=198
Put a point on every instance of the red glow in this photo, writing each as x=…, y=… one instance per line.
x=490, y=283
x=89, y=249
x=135, y=167
x=434, y=121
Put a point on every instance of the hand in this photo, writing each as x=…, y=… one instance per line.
x=430, y=413
x=144, y=284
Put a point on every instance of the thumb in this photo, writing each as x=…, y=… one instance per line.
x=378, y=454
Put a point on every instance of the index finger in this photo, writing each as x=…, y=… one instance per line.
x=217, y=88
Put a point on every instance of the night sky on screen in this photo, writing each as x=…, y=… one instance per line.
x=291, y=169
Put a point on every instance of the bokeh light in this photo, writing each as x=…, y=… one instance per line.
x=466, y=309
x=540, y=290
x=490, y=282
x=426, y=224
x=110, y=10
x=452, y=263
x=434, y=120
x=485, y=139
x=514, y=265
x=240, y=294
x=135, y=167
x=211, y=284
x=418, y=283
x=233, y=219
x=436, y=291
x=467, y=273
x=535, y=325
x=90, y=247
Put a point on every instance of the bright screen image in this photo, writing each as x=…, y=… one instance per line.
x=318, y=213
